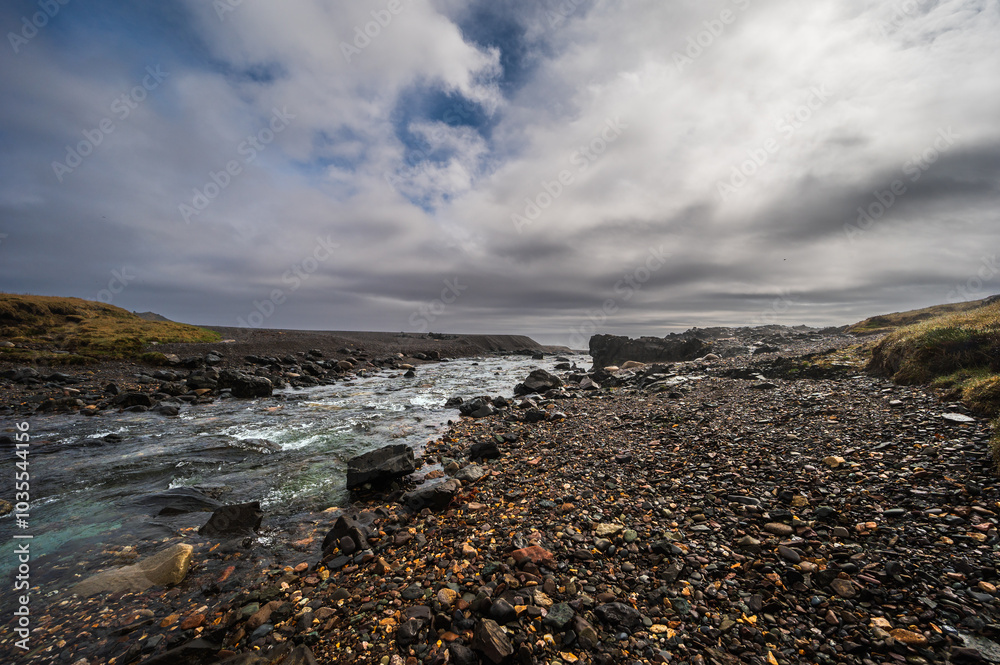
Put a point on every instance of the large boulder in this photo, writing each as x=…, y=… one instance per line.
x=233, y=520
x=608, y=350
x=539, y=381
x=380, y=466
x=163, y=568
x=245, y=385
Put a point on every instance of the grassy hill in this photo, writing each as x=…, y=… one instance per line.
x=888, y=322
x=75, y=331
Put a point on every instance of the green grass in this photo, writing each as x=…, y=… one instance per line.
x=886, y=323
x=40, y=325
x=957, y=352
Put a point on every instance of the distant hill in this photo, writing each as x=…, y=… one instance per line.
x=73, y=330
x=888, y=322
x=152, y=316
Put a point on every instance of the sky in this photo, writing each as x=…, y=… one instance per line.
x=550, y=168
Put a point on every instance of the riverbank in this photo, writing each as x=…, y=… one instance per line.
x=169, y=375
x=729, y=511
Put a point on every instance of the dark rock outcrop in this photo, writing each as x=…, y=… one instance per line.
x=609, y=350
x=379, y=466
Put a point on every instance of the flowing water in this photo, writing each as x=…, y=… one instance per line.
x=289, y=452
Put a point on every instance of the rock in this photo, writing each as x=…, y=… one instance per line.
x=6, y=507
x=170, y=410
x=453, y=402
x=245, y=385
x=539, y=381
x=462, y=655
x=435, y=497
x=470, y=474
x=380, y=466
x=605, y=530
x=833, y=461
x=632, y=364
x=484, y=450
x=135, y=399
x=843, y=588
x=490, y=640
x=233, y=520
x=779, y=529
x=788, y=554
x=477, y=408
x=908, y=637
x=609, y=350
x=559, y=616
x=345, y=527
x=502, y=612
x=958, y=418
x=166, y=567
x=618, y=615
x=536, y=555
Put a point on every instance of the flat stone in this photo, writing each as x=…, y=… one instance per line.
x=166, y=567
x=843, y=588
x=779, y=529
x=605, y=530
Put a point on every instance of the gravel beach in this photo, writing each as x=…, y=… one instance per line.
x=676, y=514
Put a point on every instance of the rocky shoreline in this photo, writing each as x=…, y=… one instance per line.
x=248, y=363
x=723, y=511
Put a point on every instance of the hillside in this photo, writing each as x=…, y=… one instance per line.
x=884, y=323
x=76, y=331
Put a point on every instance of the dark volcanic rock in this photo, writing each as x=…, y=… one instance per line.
x=609, y=350
x=379, y=466
x=245, y=385
x=538, y=381
x=435, y=497
x=492, y=642
x=234, y=519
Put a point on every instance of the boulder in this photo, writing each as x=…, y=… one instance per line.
x=245, y=385
x=480, y=407
x=435, y=497
x=607, y=350
x=470, y=474
x=233, y=520
x=380, y=466
x=484, y=450
x=539, y=381
x=163, y=568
